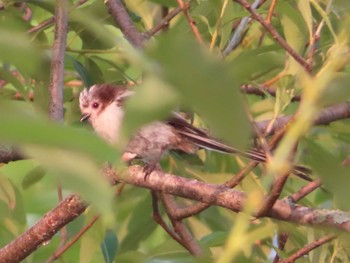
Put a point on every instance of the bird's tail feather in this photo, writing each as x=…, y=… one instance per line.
x=212, y=144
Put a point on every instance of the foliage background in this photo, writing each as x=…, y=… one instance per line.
x=175, y=71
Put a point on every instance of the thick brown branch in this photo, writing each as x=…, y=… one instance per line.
x=232, y=199
x=225, y=197
x=57, y=63
x=43, y=230
x=118, y=12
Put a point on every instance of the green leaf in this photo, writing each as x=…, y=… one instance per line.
x=140, y=225
x=16, y=49
x=153, y=100
x=305, y=10
x=16, y=117
x=215, y=239
x=109, y=246
x=333, y=174
x=206, y=84
x=82, y=71
x=33, y=176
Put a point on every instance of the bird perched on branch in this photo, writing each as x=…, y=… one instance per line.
x=102, y=105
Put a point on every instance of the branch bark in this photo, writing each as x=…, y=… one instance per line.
x=9, y=154
x=118, y=12
x=325, y=116
x=57, y=63
x=72, y=207
x=43, y=230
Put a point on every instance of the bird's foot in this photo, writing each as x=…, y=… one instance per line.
x=149, y=168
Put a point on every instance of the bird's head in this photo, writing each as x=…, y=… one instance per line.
x=95, y=100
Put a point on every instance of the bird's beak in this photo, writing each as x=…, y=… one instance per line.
x=85, y=117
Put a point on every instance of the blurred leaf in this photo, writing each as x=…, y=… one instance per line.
x=215, y=239
x=131, y=257
x=92, y=31
x=7, y=192
x=333, y=174
x=140, y=225
x=16, y=118
x=305, y=10
x=109, y=246
x=167, y=3
x=204, y=83
x=295, y=34
x=77, y=172
x=88, y=248
x=6, y=75
x=33, y=176
x=153, y=100
x=338, y=90
x=16, y=49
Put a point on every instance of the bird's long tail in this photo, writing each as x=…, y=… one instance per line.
x=212, y=144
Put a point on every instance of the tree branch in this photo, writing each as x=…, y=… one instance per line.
x=118, y=12
x=9, y=154
x=222, y=196
x=325, y=116
x=43, y=230
x=275, y=34
x=57, y=63
x=164, y=22
x=306, y=249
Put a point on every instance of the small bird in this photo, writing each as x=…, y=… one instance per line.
x=102, y=105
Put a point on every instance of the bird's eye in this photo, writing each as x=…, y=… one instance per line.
x=95, y=105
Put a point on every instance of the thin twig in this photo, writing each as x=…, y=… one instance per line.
x=306, y=249
x=187, y=240
x=185, y=7
x=164, y=22
x=273, y=196
x=158, y=218
x=282, y=240
x=263, y=91
x=50, y=21
x=59, y=252
x=275, y=34
x=240, y=32
x=271, y=9
x=305, y=190
x=44, y=24
x=218, y=24
x=43, y=230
